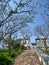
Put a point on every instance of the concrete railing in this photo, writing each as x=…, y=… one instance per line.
x=43, y=58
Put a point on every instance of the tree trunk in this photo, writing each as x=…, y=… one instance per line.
x=45, y=45
x=9, y=44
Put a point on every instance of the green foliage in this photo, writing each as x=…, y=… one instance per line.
x=12, y=43
x=13, y=47
x=16, y=53
x=19, y=52
x=3, y=50
x=13, y=54
x=47, y=52
x=9, y=41
x=5, y=59
x=16, y=45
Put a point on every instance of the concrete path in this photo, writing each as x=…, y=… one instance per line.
x=28, y=57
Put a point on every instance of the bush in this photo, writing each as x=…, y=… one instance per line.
x=16, y=45
x=13, y=54
x=47, y=52
x=3, y=63
x=3, y=50
x=5, y=59
x=18, y=52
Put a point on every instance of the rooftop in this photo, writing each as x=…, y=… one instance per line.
x=41, y=38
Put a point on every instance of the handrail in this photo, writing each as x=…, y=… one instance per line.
x=43, y=58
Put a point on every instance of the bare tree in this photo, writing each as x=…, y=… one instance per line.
x=10, y=7
x=42, y=31
x=45, y=12
x=26, y=32
x=15, y=15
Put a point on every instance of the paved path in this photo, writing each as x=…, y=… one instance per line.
x=28, y=57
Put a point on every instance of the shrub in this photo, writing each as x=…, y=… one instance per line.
x=47, y=52
x=3, y=50
x=3, y=63
x=19, y=52
x=13, y=54
x=5, y=59
x=16, y=45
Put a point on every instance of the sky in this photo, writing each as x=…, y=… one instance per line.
x=38, y=18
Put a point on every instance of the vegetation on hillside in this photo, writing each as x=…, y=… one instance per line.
x=7, y=54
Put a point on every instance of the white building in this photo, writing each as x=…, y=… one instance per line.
x=23, y=42
x=40, y=42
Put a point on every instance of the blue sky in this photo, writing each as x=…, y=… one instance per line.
x=38, y=18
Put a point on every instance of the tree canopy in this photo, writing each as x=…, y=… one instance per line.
x=15, y=14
